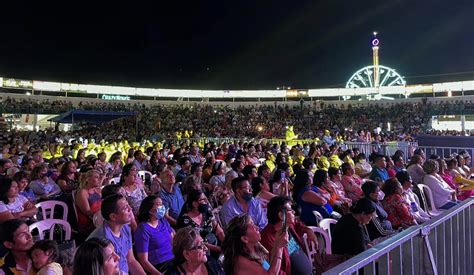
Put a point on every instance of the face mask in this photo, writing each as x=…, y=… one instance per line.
x=160, y=212
x=204, y=208
x=380, y=195
x=247, y=196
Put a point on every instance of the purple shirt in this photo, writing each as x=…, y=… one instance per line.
x=155, y=241
x=232, y=208
x=121, y=244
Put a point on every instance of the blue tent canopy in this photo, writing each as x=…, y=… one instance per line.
x=89, y=117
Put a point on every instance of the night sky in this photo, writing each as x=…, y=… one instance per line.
x=234, y=44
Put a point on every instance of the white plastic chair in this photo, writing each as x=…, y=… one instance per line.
x=115, y=180
x=326, y=225
x=142, y=174
x=318, y=216
x=425, y=191
x=47, y=209
x=322, y=236
x=49, y=225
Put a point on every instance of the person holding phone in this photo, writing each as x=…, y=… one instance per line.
x=281, y=219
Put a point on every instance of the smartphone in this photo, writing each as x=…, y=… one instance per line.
x=283, y=175
x=284, y=226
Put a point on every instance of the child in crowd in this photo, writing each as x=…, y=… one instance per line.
x=44, y=255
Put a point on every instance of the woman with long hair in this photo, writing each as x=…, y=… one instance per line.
x=68, y=179
x=12, y=204
x=96, y=257
x=88, y=200
x=243, y=253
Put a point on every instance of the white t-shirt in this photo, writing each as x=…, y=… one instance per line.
x=14, y=207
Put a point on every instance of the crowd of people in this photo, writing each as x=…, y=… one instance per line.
x=310, y=120
x=237, y=208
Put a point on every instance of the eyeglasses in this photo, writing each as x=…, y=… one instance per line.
x=202, y=246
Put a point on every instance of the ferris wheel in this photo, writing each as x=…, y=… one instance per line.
x=364, y=78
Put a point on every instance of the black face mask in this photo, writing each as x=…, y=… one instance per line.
x=204, y=208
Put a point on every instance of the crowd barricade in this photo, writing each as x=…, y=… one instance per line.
x=445, y=245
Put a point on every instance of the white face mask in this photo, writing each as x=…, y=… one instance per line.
x=380, y=195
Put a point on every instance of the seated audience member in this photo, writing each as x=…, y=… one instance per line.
x=17, y=239
x=420, y=215
x=117, y=214
x=185, y=164
x=398, y=163
x=243, y=254
x=133, y=191
x=294, y=260
x=140, y=161
x=444, y=197
x=322, y=183
x=88, y=201
x=109, y=190
x=217, y=175
x=243, y=202
x=334, y=185
x=362, y=166
x=351, y=182
x=171, y=196
x=190, y=250
x=415, y=169
x=280, y=182
x=261, y=191
x=457, y=181
x=12, y=204
x=42, y=185
x=96, y=256
x=68, y=179
x=397, y=208
x=307, y=197
x=115, y=168
x=348, y=235
x=380, y=226
x=249, y=172
x=44, y=255
x=197, y=213
x=22, y=179
x=153, y=237
x=379, y=171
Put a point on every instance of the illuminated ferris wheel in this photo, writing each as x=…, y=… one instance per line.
x=375, y=75
x=364, y=78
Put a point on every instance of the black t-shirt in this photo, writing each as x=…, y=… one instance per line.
x=349, y=237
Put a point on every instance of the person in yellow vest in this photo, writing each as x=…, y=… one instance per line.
x=178, y=135
x=290, y=136
x=323, y=163
x=349, y=157
x=270, y=160
x=186, y=134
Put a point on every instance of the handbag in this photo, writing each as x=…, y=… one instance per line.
x=67, y=248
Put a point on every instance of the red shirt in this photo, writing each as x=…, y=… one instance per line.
x=268, y=239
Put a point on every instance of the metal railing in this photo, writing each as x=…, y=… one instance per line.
x=445, y=245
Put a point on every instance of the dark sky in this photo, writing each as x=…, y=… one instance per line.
x=234, y=44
